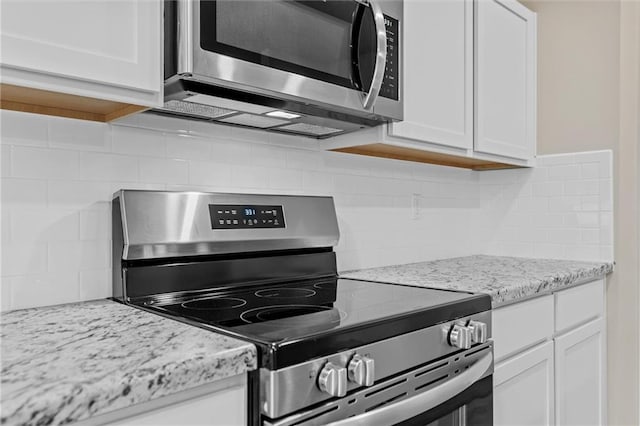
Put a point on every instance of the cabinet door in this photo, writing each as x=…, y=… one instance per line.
x=523, y=388
x=224, y=408
x=581, y=375
x=109, y=43
x=438, y=67
x=505, y=78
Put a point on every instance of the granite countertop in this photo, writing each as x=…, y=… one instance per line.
x=65, y=363
x=505, y=279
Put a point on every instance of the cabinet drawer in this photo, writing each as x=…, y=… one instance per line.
x=578, y=305
x=521, y=325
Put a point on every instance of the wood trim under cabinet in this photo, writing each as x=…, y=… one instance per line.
x=38, y=101
x=417, y=155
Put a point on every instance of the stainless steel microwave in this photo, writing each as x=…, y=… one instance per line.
x=315, y=68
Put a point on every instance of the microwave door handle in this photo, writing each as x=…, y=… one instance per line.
x=381, y=56
x=402, y=410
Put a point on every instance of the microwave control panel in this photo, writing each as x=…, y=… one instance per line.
x=235, y=216
x=389, y=87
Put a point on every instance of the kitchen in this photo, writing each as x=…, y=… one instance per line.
x=64, y=157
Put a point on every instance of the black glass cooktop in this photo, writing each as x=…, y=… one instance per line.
x=296, y=321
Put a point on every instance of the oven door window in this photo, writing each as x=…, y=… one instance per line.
x=331, y=41
x=472, y=407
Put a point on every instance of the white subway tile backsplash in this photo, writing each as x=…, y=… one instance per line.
x=303, y=159
x=44, y=289
x=187, y=147
x=23, y=129
x=79, y=134
x=5, y=160
x=40, y=225
x=78, y=194
x=24, y=258
x=231, y=152
x=576, y=204
x=79, y=255
x=588, y=219
x=317, y=183
x=43, y=163
x=108, y=167
x=95, y=284
x=590, y=236
x=606, y=195
x=268, y=156
x=591, y=171
x=590, y=203
x=131, y=141
x=96, y=224
x=24, y=192
x=5, y=294
x=207, y=173
x=285, y=179
x=60, y=174
x=5, y=227
x=546, y=189
x=566, y=172
x=565, y=203
x=162, y=170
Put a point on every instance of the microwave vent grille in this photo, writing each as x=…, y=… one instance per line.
x=310, y=129
x=254, y=120
x=197, y=109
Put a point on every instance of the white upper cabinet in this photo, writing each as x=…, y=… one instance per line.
x=438, y=73
x=101, y=49
x=469, y=88
x=505, y=78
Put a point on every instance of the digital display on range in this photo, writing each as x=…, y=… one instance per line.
x=237, y=216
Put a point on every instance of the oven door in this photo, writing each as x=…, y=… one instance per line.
x=471, y=407
x=328, y=52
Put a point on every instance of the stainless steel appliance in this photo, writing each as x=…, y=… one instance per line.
x=316, y=68
x=331, y=350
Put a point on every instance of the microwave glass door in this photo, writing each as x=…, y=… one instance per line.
x=332, y=41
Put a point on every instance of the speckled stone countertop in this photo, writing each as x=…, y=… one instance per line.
x=505, y=279
x=65, y=363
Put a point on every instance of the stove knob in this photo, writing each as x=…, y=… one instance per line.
x=478, y=331
x=333, y=380
x=460, y=336
x=361, y=370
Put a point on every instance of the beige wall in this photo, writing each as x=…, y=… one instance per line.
x=588, y=97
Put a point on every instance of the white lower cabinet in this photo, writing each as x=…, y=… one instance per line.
x=551, y=359
x=523, y=388
x=223, y=408
x=580, y=375
x=221, y=403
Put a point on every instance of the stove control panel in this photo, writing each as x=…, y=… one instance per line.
x=478, y=331
x=236, y=216
x=464, y=335
x=460, y=336
x=333, y=380
x=361, y=370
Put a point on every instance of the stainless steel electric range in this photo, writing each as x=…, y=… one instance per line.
x=330, y=350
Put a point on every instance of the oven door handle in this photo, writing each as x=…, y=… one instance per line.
x=423, y=402
x=381, y=56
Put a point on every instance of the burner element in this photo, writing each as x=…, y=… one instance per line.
x=212, y=303
x=278, y=312
x=285, y=293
